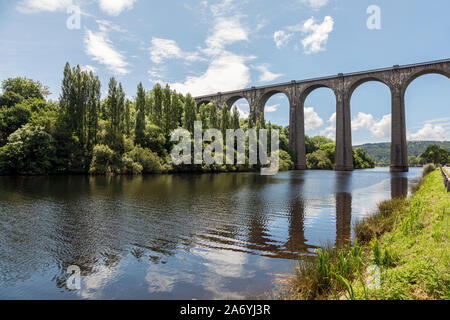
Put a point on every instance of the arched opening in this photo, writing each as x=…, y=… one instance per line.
x=370, y=106
x=320, y=113
x=242, y=106
x=320, y=127
x=276, y=108
x=205, y=102
x=427, y=101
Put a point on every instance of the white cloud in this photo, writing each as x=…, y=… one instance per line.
x=281, y=38
x=32, y=6
x=430, y=132
x=315, y=4
x=226, y=70
x=226, y=31
x=318, y=34
x=115, y=7
x=330, y=131
x=312, y=119
x=378, y=129
x=362, y=121
x=88, y=68
x=382, y=128
x=272, y=108
x=244, y=110
x=225, y=73
x=266, y=75
x=101, y=49
x=163, y=49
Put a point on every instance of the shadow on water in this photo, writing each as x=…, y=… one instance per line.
x=184, y=228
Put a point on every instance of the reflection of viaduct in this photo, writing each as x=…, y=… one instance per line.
x=396, y=78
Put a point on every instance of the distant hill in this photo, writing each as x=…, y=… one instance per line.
x=381, y=152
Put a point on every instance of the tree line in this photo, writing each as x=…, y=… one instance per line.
x=82, y=133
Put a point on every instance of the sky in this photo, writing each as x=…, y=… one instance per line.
x=206, y=46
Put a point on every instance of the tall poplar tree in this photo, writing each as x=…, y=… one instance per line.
x=139, y=138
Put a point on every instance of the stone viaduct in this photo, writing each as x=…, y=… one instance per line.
x=397, y=78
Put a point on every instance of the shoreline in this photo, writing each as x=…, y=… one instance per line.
x=391, y=256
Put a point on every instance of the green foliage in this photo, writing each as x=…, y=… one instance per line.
x=29, y=151
x=361, y=160
x=380, y=152
x=24, y=88
x=11, y=119
x=437, y=155
x=139, y=138
x=155, y=140
x=148, y=160
x=190, y=114
x=318, y=160
x=102, y=160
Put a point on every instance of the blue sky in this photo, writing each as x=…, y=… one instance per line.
x=205, y=46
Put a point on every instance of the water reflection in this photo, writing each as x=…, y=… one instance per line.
x=175, y=236
x=399, y=185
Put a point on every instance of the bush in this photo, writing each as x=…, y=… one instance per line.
x=102, y=160
x=286, y=162
x=149, y=160
x=129, y=166
x=318, y=160
x=29, y=151
x=362, y=160
x=12, y=119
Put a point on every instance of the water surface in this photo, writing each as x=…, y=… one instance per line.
x=176, y=236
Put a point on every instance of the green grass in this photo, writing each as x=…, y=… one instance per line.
x=405, y=245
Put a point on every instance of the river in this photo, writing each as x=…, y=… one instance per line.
x=224, y=236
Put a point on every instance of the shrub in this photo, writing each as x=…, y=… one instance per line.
x=102, y=160
x=149, y=160
x=12, y=119
x=318, y=160
x=129, y=166
x=29, y=151
x=285, y=161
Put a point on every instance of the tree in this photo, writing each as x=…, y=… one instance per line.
x=12, y=119
x=139, y=133
x=318, y=160
x=127, y=121
x=225, y=119
x=435, y=154
x=190, y=114
x=80, y=102
x=26, y=88
x=213, y=117
x=203, y=116
x=115, y=110
x=157, y=106
x=361, y=160
x=235, y=119
x=29, y=151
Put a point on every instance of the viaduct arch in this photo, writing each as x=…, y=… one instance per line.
x=396, y=78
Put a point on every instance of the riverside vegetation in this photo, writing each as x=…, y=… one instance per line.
x=85, y=134
x=407, y=240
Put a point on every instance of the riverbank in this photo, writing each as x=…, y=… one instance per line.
x=399, y=253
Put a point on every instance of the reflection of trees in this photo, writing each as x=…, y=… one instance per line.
x=343, y=207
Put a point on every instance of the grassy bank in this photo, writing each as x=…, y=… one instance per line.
x=401, y=252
